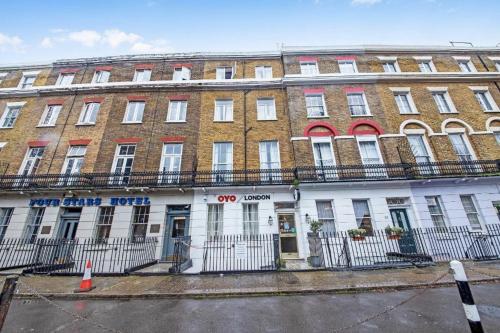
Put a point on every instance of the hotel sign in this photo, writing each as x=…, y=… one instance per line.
x=89, y=202
x=246, y=197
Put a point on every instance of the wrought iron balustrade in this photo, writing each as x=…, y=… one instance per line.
x=284, y=176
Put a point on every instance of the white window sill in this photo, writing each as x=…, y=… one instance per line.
x=46, y=126
x=273, y=119
x=85, y=124
x=492, y=111
x=223, y=121
x=408, y=113
x=131, y=122
x=317, y=117
x=361, y=115
x=176, y=121
x=6, y=127
x=452, y=112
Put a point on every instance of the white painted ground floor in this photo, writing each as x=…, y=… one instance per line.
x=201, y=213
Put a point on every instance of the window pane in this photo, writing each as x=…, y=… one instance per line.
x=363, y=215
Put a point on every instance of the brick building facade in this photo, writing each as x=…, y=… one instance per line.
x=342, y=127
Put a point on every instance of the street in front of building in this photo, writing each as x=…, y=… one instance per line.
x=435, y=310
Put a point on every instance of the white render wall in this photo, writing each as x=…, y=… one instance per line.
x=485, y=191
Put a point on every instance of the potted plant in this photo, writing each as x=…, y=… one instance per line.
x=393, y=232
x=314, y=242
x=357, y=234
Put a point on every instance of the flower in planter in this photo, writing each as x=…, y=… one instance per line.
x=356, y=233
x=315, y=226
x=393, y=231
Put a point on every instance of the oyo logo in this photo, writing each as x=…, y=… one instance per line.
x=226, y=198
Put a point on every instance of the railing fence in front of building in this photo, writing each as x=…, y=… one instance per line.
x=241, y=253
x=60, y=256
x=339, y=250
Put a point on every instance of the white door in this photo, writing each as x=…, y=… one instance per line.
x=31, y=161
x=171, y=162
x=421, y=152
x=371, y=156
x=222, y=161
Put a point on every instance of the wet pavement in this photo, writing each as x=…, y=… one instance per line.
x=256, y=283
x=433, y=310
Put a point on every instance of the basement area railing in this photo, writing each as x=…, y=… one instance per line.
x=317, y=174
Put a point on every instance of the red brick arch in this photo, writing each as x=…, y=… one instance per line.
x=332, y=131
x=377, y=129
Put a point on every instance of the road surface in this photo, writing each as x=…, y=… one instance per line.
x=437, y=310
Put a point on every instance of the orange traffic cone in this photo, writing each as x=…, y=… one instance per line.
x=86, y=284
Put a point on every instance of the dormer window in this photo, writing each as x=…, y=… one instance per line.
x=224, y=73
x=181, y=73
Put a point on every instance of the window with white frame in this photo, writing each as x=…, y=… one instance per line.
x=104, y=222
x=497, y=136
x=140, y=219
x=222, y=160
x=224, y=73
x=171, y=162
x=10, y=115
x=250, y=219
x=443, y=101
x=468, y=202
x=461, y=146
x=101, y=76
x=266, y=109
x=142, y=75
x=369, y=150
x=5, y=216
x=436, y=211
x=177, y=111
x=326, y=215
x=269, y=155
x=215, y=220
x=263, y=72
x=358, y=105
x=31, y=161
x=65, y=79
x=124, y=159
x=50, y=114
x=88, y=116
x=134, y=112
x=315, y=105
x=347, y=66
x=223, y=110
x=324, y=159
x=426, y=66
x=182, y=74
x=74, y=160
x=309, y=68
x=27, y=81
x=33, y=223
x=466, y=65
x=404, y=102
x=419, y=148
x=484, y=98
x=390, y=66
x=363, y=215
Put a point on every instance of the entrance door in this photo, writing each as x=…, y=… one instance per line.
x=177, y=225
x=69, y=223
x=400, y=219
x=288, y=235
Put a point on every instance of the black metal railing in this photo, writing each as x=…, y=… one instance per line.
x=60, y=256
x=181, y=257
x=241, y=253
x=307, y=174
x=419, y=245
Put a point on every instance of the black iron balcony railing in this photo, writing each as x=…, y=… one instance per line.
x=317, y=174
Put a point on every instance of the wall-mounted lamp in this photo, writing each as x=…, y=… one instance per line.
x=308, y=218
x=270, y=220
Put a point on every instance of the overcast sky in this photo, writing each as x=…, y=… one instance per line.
x=42, y=30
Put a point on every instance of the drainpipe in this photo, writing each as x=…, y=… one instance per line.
x=487, y=69
x=245, y=131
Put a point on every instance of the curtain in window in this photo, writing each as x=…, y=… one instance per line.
x=363, y=216
x=369, y=153
x=460, y=147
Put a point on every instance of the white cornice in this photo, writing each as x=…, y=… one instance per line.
x=386, y=49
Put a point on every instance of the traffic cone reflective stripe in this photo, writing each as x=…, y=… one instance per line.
x=86, y=284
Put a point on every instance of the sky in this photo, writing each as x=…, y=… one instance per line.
x=33, y=31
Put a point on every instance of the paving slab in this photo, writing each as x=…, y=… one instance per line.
x=227, y=285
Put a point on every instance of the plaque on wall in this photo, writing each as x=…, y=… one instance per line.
x=45, y=230
x=154, y=229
